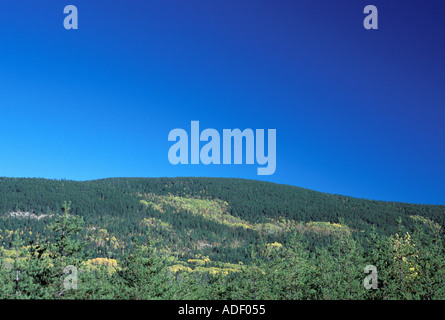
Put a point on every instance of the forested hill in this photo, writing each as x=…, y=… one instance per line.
x=254, y=201
x=213, y=237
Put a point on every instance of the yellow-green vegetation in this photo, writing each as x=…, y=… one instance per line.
x=101, y=237
x=23, y=254
x=110, y=265
x=20, y=254
x=324, y=228
x=276, y=226
x=211, y=209
x=179, y=268
x=405, y=256
x=274, y=245
x=434, y=226
x=199, y=262
x=9, y=255
x=203, y=264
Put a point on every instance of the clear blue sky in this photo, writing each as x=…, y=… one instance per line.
x=357, y=112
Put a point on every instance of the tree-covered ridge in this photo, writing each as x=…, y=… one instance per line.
x=220, y=238
x=254, y=201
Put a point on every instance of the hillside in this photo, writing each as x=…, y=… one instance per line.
x=198, y=225
x=199, y=210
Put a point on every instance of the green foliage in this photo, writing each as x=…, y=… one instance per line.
x=143, y=275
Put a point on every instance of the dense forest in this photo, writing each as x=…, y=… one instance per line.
x=212, y=238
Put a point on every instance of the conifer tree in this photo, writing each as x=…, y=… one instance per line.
x=67, y=248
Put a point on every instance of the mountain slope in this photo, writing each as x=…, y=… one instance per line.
x=220, y=218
